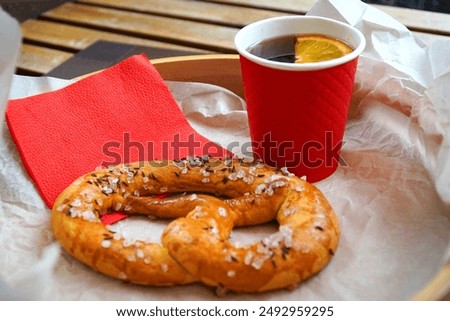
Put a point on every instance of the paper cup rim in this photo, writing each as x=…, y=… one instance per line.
x=241, y=46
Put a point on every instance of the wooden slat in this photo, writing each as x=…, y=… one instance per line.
x=173, y=30
x=39, y=60
x=294, y=6
x=221, y=14
x=221, y=11
x=429, y=38
x=425, y=21
x=78, y=38
x=431, y=22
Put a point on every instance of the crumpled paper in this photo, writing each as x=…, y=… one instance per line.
x=391, y=192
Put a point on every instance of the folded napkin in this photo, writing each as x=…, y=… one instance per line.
x=123, y=114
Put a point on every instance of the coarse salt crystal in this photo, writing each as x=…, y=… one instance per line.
x=222, y=212
x=88, y=215
x=249, y=179
x=260, y=188
x=164, y=267
x=248, y=258
x=214, y=230
x=257, y=263
x=288, y=211
x=232, y=176
x=106, y=244
x=269, y=191
x=73, y=212
x=240, y=174
x=76, y=202
x=140, y=253
x=285, y=171
x=113, y=180
x=279, y=183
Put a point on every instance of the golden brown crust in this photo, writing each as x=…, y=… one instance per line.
x=196, y=245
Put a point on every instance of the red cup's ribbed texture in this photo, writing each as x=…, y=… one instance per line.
x=297, y=118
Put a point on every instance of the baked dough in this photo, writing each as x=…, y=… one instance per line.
x=206, y=198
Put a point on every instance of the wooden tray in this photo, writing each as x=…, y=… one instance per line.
x=220, y=70
x=224, y=71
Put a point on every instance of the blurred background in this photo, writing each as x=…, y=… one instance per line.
x=429, y=5
x=25, y=9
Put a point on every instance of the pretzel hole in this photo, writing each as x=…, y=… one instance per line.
x=139, y=228
x=242, y=236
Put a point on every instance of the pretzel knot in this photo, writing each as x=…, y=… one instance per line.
x=208, y=197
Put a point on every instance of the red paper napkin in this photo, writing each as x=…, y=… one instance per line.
x=123, y=114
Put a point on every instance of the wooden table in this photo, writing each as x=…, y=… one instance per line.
x=205, y=26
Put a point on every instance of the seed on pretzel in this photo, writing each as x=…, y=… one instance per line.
x=128, y=188
x=305, y=242
x=76, y=225
x=246, y=198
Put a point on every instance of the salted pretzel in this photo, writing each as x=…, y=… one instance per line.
x=208, y=197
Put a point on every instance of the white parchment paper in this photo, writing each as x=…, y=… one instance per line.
x=392, y=192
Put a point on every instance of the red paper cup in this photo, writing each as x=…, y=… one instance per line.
x=297, y=112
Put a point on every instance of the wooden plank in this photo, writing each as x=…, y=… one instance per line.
x=428, y=38
x=188, y=33
x=293, y=6
x=37, y=60
x=419, y=20
x=425, y=21
x=221, y=14
x=78, y=38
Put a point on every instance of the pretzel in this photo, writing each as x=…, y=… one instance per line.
x=208, y=197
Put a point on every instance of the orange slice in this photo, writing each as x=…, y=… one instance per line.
x=315, y=48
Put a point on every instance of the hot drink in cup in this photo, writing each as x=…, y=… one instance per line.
x=298, y=75
x=300, y=48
